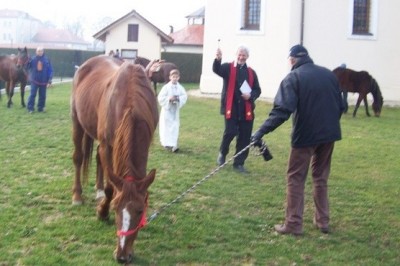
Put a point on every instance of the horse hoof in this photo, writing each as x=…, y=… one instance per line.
x=76, y=202
x=102, y=217
x=100, y=195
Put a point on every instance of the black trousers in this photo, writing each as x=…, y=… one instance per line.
x=241, y=129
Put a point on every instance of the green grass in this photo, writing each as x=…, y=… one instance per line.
x=227, y=220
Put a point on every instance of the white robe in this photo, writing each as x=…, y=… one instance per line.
x=169, y=117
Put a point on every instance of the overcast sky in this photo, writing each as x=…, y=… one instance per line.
x=161, y=13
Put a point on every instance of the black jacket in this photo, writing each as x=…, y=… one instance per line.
x=238, y=109
x=311, y=93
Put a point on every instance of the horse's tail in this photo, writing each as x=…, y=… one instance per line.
x=87, y=148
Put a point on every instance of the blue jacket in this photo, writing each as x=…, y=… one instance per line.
x=311, y=93
x=41, y=71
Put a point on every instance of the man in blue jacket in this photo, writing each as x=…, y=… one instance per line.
x=311, y=93
x=41, y=74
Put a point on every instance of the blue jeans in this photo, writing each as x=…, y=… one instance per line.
x=42, y=89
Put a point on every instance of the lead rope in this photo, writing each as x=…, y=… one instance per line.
x=156, y=213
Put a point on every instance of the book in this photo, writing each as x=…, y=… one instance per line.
x=245, y=88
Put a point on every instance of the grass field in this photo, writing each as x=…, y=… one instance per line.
x=227, y=220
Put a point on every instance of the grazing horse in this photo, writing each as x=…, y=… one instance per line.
x=112, y=102
x=362, y=83
x=13, y=71
x=161, y=75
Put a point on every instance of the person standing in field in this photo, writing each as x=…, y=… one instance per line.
x=171, y=99
x=239, y=92
x=311, y=95
x=41, y=75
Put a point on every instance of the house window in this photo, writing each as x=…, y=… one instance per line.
x=128, y=53
x=251, y=15
x=133, y=33
x=362, y=17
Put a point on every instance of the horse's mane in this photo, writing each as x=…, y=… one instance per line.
x=133, y=97
x=376, y=92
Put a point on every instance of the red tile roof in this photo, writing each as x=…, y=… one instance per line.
x=190, y=35
x=57, y=35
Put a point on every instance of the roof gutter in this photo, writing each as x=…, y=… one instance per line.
x=302, y=22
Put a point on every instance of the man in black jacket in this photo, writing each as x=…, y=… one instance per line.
x=239, y=93
x=311, y=93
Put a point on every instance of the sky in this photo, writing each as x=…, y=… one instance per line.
x=161, y=13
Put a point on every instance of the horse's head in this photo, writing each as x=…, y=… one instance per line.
x=130, y=204
x=378, y=99
x=141, y=61
x=22, y=57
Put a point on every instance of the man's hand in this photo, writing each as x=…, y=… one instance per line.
x=246, y=96
x=218, y=54
x=256, y=138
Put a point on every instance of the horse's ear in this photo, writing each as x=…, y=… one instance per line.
x=117, y=182
x=147, y=181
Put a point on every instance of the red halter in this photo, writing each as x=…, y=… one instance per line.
x=143, y=219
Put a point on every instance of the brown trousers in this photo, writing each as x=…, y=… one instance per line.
x=299, y=162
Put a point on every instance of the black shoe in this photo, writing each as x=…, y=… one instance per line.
x=240, y=169
x=324, y=230
x=221, y=159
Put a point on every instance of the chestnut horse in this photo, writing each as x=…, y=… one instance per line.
x=112, y=102
x=161, y=75
x=13, y=71
x=362, y=83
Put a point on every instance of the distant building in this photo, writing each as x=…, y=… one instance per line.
x=58, y=38
x=190, y=38
x=133, y=36
x=18, y=28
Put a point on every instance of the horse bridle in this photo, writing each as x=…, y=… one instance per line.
x=143, y=219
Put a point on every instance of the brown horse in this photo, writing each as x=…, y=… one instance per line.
x=362, y=83
x=113, y=102
x=162, y=73
x=13, y=71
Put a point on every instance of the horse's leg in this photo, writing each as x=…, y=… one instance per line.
x=103, y=207
x=366, y=105
x=345, y=103
x=10, y=92
x=22, y=91
x=360, y=98
x=99, y=178
x=77, y=137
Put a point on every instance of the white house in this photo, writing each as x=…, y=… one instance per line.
x=133, y=36
x=360, y=33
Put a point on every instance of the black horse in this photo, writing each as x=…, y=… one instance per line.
x=362, y=83
x=161, y=75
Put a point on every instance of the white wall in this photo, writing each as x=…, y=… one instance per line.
x=326, y=36
x=330, y=43
x=148, y=45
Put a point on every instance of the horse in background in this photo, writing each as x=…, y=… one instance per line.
x=112, y=102
x=13, y=71
x=362, y=83
x=160, y=75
